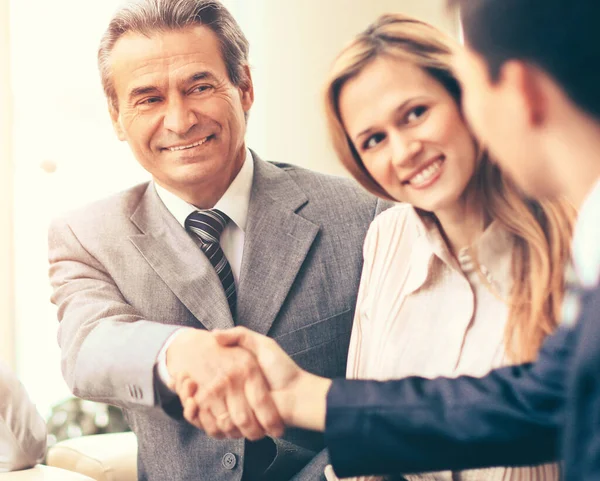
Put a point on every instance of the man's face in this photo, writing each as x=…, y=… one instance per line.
x=501, y=116
x=177, y=108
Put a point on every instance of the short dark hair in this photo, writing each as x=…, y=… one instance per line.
x=150, y=16
x=561, y=37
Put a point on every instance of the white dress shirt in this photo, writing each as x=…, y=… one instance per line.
x=586, y=255
x=22, y=429
x=422, y=312
x=234, y=203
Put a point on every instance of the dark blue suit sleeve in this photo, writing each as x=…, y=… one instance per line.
x=581, y=437
x=511, y=416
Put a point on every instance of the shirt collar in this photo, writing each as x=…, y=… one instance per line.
x=494, y=249
x=234, y=202
x=586, y=254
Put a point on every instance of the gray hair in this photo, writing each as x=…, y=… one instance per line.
x=149, y=16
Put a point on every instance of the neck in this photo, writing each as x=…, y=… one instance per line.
x=463, y=222
x=571, y=146
x=206, y=194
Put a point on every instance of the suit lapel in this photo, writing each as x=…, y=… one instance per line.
x=276, y=244
x=176, y=258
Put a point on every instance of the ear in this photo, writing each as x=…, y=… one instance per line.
x=524, y=83
x=116, y=121
x=246, y=88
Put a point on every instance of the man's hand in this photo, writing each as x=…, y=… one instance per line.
x=299, y=396
x=222, y=389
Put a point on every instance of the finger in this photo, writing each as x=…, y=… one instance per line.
x=235, y=433
x=212, y=402
x=241, y=414
x=265, y=349
x=237, y=336
x=207, y=418
x=219, y=410
x=188, y=388
x=261, y=403
x=209, y=424
x=172, y=385
x=191, y=412
x=178, y=382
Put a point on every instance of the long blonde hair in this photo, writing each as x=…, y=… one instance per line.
x=542, y=229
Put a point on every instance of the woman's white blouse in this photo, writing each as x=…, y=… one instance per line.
x=421, y=312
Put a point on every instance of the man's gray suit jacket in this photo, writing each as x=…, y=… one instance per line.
x=126, y=274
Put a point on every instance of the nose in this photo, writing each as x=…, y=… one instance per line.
x=179, y=118
x=404, y=150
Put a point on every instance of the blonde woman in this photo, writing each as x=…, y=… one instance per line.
x=467, y=274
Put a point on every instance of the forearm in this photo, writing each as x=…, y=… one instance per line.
x=406, y=438
x=108, y=347
x=115, y=362
x=512, y=416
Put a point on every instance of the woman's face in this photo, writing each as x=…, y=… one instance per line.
x=409, y=133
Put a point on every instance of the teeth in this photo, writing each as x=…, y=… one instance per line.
x=426, y=174
x=183, y=147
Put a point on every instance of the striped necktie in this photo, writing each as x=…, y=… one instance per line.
x=208, y=225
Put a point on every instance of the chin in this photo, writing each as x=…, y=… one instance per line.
x=439, y=204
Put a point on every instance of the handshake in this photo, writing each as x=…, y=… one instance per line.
x=238, y=383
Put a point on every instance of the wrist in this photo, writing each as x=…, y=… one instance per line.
x=307, y=401
x=183, y=340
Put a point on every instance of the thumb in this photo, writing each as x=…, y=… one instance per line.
x=237, y=336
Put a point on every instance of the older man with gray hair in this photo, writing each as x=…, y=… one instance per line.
x=217, y=238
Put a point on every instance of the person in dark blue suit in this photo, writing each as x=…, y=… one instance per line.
x=531, y=80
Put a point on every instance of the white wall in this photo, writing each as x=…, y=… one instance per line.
x=59, y=117
x=6, y=197
x=293, y=44
x=60, y=120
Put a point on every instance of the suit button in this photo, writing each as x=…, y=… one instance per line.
x=229, y=461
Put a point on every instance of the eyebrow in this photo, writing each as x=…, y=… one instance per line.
x=399, y=109
x=204, y=75
x=151, y=89
x=139, y=91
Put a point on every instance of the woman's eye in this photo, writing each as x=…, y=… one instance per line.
x=372, y=141
x=415, y=113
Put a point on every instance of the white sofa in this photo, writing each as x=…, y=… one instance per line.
x=43, y=473
x=101, y=457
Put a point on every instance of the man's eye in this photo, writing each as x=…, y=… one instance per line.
x=415, y=113
x=149, y=101
x=373, y=141
x=201, y=88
